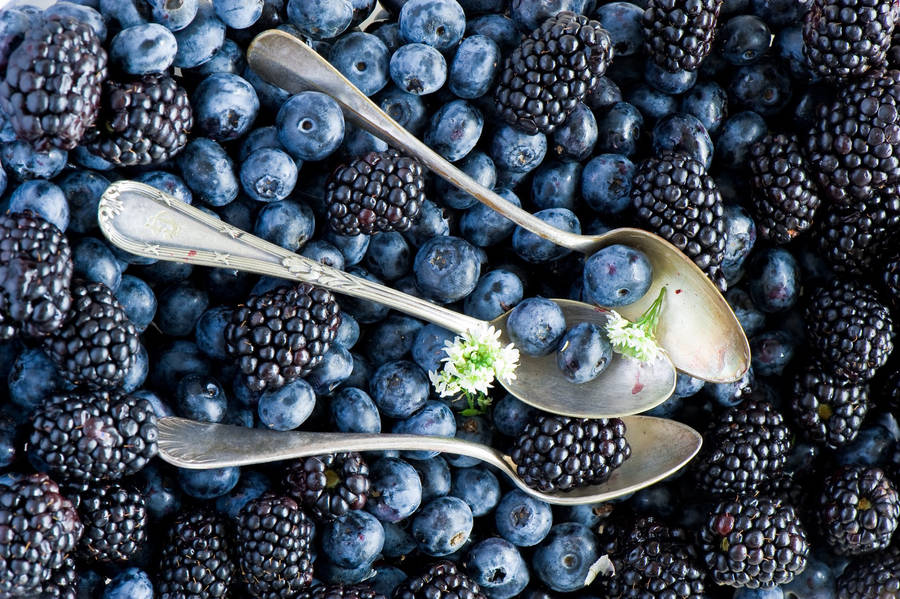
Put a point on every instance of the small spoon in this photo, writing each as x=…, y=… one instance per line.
x=700, y=332
x=659, y=448
x=143, y=220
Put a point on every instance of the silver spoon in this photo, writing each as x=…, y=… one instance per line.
x=659, y=448
x=143, y=220
x=700, y=332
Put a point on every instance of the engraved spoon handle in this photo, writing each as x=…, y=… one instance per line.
x=145, y=221
x=283, y=60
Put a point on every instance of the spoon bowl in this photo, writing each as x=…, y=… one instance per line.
x=700, y=333
x=145, y=221
x=659, y=448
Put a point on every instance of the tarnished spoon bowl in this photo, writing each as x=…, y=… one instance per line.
x=659, y=448
x=142, y=220
x=700, y=332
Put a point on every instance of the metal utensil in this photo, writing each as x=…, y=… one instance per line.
x=143, y=220
x=700, y=332
x=659, y=448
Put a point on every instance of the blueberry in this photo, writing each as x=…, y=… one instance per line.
x=165, y=181
x=435, y=476
x=225, y=106
x=364, y=311
x=535, y=249
x=536, y=326
x=749, y=316
x=616, y=275
x=180, y=307
x=867, y=449
x=94, y=261
x=473, y=67
x=708, y=102
x=764, y=87
x=252, y=485
x=740, y=237
x=603, y=96
x=733, y=393
x=790, y=47
x=359, y=141
x=516, y=151
x=202, y=398
x=395, y=490
x=498, y=568
x=210, y=331
x=288, y=407
x=584, y=353
x=389, y=34
x=271, y=97
x=555, y=184
x=353, y=248
x=175, y=361
x=44, y=199
x=335, y=367
x=432, y=222
x=125, y=12
x=683, y=133
x=442, y=526
x=320, y=19
x=687, y=386
x=523, y=520
x=405, y=108
x=563, y=559
x=418, y=69
x=434, y=419
x=767, y=593
x=818, y=577
x=143, y=49
x=438, y=23
x=477, y=165
x=623, y=22
x=655, y=501
x=208, y=484
x=239, y=14
x=229, y=59
x=771, y=352
x=131, y=583
x=399, y=388
x=667, y=82
x=208, y=172
x=478, y=487
x=201, y=39
x=137, y=374
x=14, y=24
x=310, y=125
x=739, y=132
x=7, y=441
x=529, y=14
x=387, y=579
x=268, y=175
x=428, y=346
x=744, y=39
x=470, y=428
x=398, y=543
x=483, y=226
x=331, y=573
x=286, y=223
x=606, y=183
x=162, y=495
x=576, y=137
x=652, y=103
x=352, y=540
x=160, y=408
x=392, y=339
x=498, y=27
x=363, y=59
x=174, y=15
x=325, y=253
x=779, y=13
x=388, y=256
x=590, y=515
x=496, y=293
x=774, y=281
x=511, y=415
x=447, y=268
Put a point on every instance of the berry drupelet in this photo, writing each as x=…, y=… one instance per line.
x=330, y=485
x=196, y=560
x=279, y=336
x=51, y=89
x=97, y=345
x=558, y=453
x=849, y=328
x=858, y=510
x=828, y=409
x=338, y=591
x=551, y=71
x=753, y=542
x=675, y=198
x=35, y=274
x=679, y=35
x=871, y=577
x=93, y=436
x=377, y=192
x=114, y=518
x=142, y=122
x=63, y=582
x=273, y=547
x=441, y=580
x=785, y=198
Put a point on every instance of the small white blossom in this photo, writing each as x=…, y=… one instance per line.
x=636, y=339
x=472, y=361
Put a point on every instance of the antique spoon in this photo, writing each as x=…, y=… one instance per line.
x=659, y=448
x=700, y=332
x=143, y=220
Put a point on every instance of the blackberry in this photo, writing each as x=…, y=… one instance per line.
x=849, y=329
x=441, y=580
x=828, y=409
x=858, y=510
x=675, y=198
x=747, y=446
x=846, y=38
x=144, y=121
x=63, y=582
x=114, y=518
x=753, y=542
x=93, y=436
x=273, y=547
x=35, y=273
x=891, y=278
x=855, y=239
x=97, y=345
x=551, y=71
x=853, y=146
x=377, y=192
x=40, y=527
x=282, y=335
x=655, y=561
x=679, y=35
x=330, y=485
x=51, y=90
x=338, y=591
x=196, y=560
x=888, y=387
x=785, y=198
x=558, y=453
x=871, y=577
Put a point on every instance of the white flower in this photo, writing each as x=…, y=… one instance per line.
x=472, y=361
x=636, y=339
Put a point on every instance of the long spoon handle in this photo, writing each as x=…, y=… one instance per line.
x=145, y=221
x=285, y=61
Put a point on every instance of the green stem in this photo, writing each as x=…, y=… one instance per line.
x=650, y=319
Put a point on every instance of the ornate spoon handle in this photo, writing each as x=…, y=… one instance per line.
x=143, y=220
